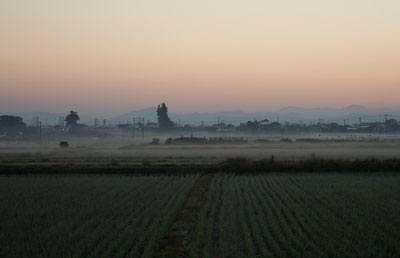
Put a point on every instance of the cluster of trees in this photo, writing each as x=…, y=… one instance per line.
x=162, y=116
x=263, y=125
x=11, y=124
x=11, y=121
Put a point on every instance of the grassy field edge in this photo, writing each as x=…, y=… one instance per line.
x=231, y=165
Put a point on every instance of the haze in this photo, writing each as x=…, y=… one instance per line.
x=115, y=56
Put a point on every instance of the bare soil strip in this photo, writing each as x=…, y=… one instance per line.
x=175, y=242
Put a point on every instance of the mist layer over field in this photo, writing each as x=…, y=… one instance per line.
x=137, y=151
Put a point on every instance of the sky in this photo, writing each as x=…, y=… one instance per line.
x=109, y=57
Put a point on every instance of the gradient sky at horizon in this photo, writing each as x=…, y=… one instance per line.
x=114, y=56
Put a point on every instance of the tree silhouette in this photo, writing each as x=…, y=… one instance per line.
x=11, y=123
x=72, y=118
x=162, y=115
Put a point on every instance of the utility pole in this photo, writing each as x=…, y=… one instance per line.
x=386, y=123
x=143, y=129
x=40, y=130
x=138, y=123
x=134, y=127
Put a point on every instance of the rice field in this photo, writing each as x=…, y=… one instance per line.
x=253, y=215
x=87, y=216
x=307, y=215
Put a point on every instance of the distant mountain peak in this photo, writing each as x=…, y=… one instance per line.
x=292, y=109
x=356, y=108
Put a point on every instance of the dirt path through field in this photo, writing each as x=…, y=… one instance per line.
x=175, y=242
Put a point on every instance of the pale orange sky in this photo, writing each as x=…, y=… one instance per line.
x=255, y=55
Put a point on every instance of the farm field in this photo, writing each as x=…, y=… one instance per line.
x=252, y=215
x=306, y=215
x=127, y=151
x=87, y=216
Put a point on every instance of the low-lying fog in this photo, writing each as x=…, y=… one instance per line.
x=254, y=146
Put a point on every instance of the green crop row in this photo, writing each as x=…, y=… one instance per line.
x=302, y=215
x=87, y=216
x=245, y=215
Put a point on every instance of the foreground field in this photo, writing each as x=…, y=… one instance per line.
x=87, y=216
x=254, y=215
x=300, y=216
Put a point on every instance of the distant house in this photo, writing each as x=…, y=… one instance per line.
x=156, y=141
x=152, y=125
x=124, y=126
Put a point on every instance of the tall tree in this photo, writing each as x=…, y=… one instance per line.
x=162, y=115
x=72, y=119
